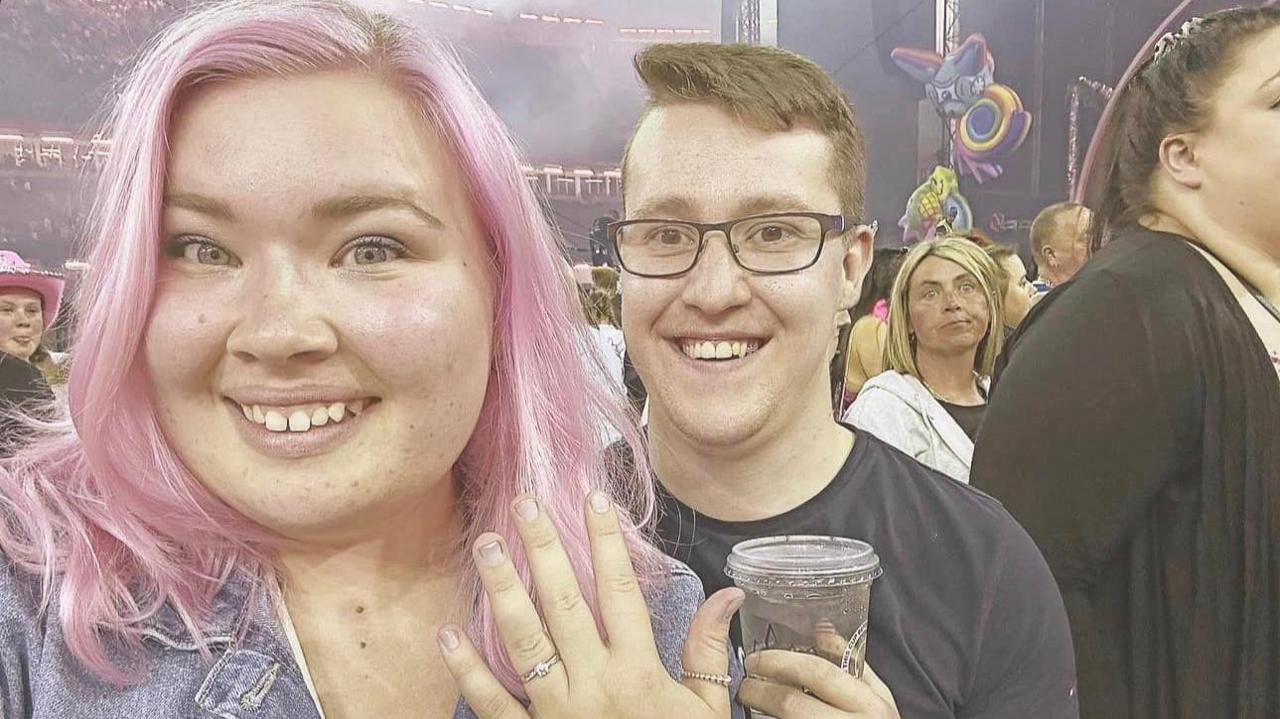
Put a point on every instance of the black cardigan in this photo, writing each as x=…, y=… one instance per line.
x=1135, y=432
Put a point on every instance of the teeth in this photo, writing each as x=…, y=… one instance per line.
x=276, y=421
x=301, y=419
x=720, y=350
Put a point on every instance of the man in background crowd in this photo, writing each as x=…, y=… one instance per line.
x=1060, y=239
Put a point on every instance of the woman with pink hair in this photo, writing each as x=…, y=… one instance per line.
x=321, y=415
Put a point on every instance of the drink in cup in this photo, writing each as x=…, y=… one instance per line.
x=806, y=594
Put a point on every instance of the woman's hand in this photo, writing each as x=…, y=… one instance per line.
x=791, y=685
x=582, y=674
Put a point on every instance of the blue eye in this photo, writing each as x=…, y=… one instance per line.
x=201, y=251
x=372, y=251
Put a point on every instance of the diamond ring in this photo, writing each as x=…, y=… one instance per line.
x=541, y=669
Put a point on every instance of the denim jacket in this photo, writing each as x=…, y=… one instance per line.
x=252, y=674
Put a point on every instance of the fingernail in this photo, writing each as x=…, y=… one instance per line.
x=599, y=502
x=527, y=508
x=449, y=639
x=734, y=605
x=491, y=552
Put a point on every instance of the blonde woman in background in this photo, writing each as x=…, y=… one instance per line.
x=1019, y=293
x=945, y=331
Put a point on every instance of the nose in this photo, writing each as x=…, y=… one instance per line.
x=716, y=283
x=950, y=300
x=283, y=320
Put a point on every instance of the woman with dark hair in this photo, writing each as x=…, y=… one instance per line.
x=1135, y=430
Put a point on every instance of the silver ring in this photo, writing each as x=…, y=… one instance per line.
x=541, y=669
x=723, y=680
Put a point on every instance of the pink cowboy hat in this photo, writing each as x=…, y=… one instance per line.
x=17, y=272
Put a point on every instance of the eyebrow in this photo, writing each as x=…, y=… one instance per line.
x=350, y=205
x=965, y=275
x=199, y=203
x=680, y=207
x=670, y=206
x=331, y=208
x=763, y=204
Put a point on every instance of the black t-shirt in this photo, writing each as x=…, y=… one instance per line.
x=969, y=418
x=966, y=620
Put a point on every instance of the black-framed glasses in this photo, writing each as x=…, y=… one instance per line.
x=773, y=244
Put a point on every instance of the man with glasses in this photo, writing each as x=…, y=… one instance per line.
x=742, y=246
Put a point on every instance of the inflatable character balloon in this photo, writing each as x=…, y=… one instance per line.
x=990, y=120
x=936, y=203
x=952, y=83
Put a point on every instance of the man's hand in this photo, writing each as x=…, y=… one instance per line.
x=791, y=685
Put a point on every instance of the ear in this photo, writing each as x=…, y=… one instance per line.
x=1050, y=257
x=1179, y=161
x=857, y=261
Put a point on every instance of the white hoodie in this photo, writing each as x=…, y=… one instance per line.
x=900, y=410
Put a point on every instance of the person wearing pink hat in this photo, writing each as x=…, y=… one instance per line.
x=29, y=300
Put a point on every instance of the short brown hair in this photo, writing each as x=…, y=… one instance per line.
x=1045, y=226
x=771, y=89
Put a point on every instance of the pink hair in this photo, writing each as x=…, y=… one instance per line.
x=103, y=509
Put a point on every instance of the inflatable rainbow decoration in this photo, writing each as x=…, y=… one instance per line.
x=991, y=129
x=990, y=122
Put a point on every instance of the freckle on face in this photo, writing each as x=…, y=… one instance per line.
x=392, y=335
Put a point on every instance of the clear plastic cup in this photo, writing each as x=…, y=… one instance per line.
x=806, y=594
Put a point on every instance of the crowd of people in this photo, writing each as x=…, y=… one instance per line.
x=328, y=399
x=54, y=50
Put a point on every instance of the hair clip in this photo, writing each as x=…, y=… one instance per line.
x=1170, y=40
